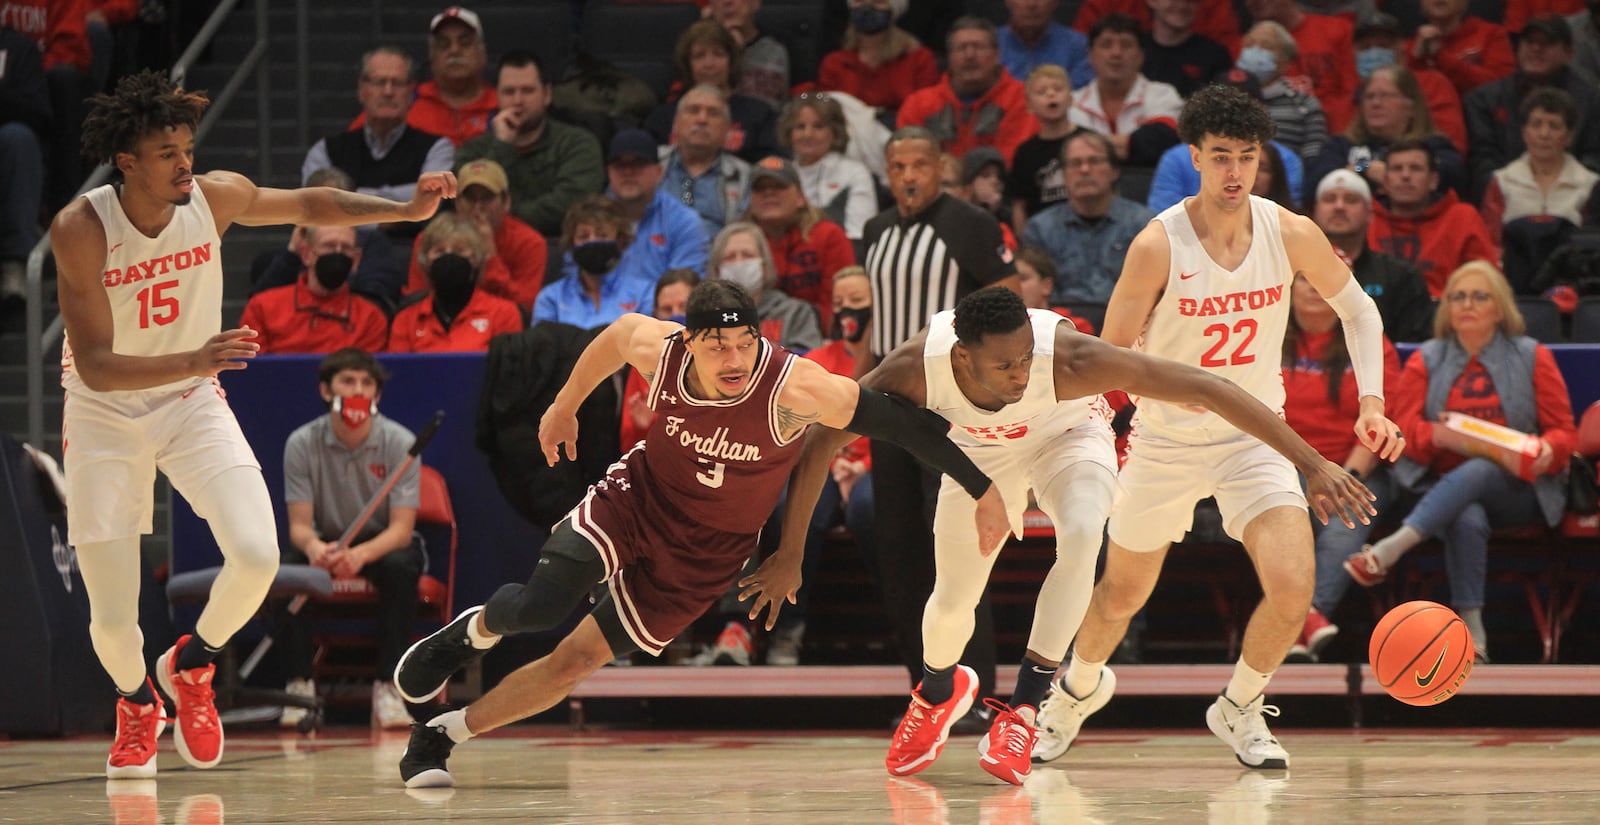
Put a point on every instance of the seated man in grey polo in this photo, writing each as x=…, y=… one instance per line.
x=1088, y=235
x=331, y=466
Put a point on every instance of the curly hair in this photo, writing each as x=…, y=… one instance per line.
x=143, y=103
x=992, y=310
x=1224, y=111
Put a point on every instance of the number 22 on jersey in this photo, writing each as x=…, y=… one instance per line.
x=1243, y=332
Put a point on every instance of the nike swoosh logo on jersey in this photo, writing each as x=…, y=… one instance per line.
x=115, y=247
x=1184, y=276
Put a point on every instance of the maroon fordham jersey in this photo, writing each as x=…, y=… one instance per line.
x=720, y=463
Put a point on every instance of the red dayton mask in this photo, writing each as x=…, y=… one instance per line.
x=354, y=409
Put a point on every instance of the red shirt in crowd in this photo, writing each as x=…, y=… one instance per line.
x=1325, y=423
x=884, y=87
x=1446, y=235
x=806, y=263
x=1328, y=60
x=1474, y=394
x=1519, y=12
x=1444, y=103
x=417, y=329
x=430, y=113
x=56, y=25
x=290, y=318
x=1472, y=54
x=1014, y=123
x=1215, y=19
x=515, y=271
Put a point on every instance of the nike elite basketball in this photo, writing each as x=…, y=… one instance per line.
x=1421, y=653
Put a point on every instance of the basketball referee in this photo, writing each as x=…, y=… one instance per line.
x=923, y=255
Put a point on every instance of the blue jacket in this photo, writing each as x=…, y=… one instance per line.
x=1176, y=178
x=669, y=236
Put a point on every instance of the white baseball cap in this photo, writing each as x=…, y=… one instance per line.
x=466, y=16
x=1345, y=179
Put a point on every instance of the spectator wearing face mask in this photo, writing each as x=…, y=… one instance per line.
x=672, y=300
x=455, y=316
x=318, y=313
x=595, y=235
x=515, y=269
x=1380, y=42
x=740, y=254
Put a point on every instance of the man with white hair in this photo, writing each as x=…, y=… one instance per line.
x=1343, y=210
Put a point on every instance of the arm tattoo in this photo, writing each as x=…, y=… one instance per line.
x=790, y=421
x=353, y=203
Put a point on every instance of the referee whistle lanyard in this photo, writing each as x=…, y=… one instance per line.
x=354, y=410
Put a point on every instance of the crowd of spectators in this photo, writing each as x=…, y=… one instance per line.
x=1420, y=137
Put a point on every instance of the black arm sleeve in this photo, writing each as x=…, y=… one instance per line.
x=922, y=432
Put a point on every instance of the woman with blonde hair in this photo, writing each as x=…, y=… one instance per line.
x=1478, y=363
x=880, y=63
x=1390, y=107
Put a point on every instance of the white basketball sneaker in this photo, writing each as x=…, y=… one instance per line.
x=1061, y=714
x=1245, y=730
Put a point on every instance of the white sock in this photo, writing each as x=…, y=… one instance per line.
x=1247, y=684
x=1396, y=544
x=1083, y=676
x=454, y=724
x=482, y=640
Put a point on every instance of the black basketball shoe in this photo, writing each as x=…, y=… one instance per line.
x=423, y=763
x=426, y=667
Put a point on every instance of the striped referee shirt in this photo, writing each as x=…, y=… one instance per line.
x=925, y=263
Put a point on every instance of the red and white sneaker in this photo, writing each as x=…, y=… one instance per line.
x=199, y=729
x=133, y=752
x=1365, y=569
x=1008, y=747
x=925, y=727
x=1317, y=633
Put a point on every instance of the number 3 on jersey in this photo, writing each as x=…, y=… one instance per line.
x=711, y=477
x=156, y=307
x=1245, y=327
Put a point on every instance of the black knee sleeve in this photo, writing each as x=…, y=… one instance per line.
x=567, y=570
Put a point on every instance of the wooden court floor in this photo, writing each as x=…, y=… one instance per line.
x=555, y=775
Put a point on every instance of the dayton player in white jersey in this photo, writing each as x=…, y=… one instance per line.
x=140, y=288
x=1022, y=389
x=1207, y=284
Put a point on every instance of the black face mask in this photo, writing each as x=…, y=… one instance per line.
x=597, y=257
x=850, y=323
x=452, y=278
x=333, y=269
x=869, y=20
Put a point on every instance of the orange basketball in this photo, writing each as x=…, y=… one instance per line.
x=1421, y=653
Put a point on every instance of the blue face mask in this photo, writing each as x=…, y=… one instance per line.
x=1259, y=62
x=870, y=20
x=1373, y=59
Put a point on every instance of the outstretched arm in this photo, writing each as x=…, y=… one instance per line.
x=1311, y=255
x=632, y=340
x=235, y=199
x=1087, y=366
x=813, y=395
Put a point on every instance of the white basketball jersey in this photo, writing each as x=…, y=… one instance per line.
x=166, y=291
x=1227, y=322
x=1037, y=415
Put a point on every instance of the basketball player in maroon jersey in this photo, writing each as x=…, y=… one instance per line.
x=674, y=520
x=140, y=287
x=1020, y=388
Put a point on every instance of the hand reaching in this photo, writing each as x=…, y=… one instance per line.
x=776, y=581
x=994, y=524
x=432, y=187
x=227, y=350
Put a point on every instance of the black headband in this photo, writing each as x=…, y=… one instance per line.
x=723, y=318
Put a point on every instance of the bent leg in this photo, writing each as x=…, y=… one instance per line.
x=111, y=576
x=961, y=573
x=1279, y=543
x=1129, y=579
x=1077, y=500
x=569, y=567
x=539, y=685
x=236, y=505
